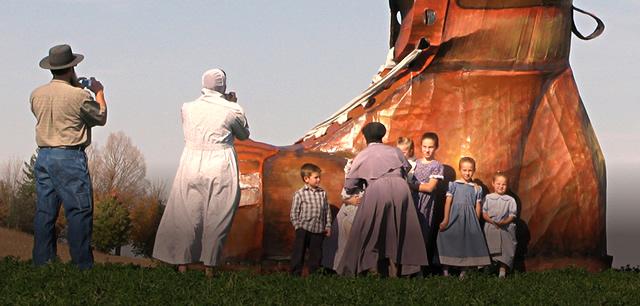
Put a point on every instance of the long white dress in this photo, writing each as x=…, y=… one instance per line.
x=205, y=192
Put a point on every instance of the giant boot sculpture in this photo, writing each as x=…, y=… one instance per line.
x=492, y=78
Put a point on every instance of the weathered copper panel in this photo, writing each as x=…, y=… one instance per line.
x=562, y=179
x=534, y=38
x=245, y=238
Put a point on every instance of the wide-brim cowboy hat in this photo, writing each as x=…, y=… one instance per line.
x=61, y=57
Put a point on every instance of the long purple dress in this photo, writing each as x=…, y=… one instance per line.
x=386, y=224
x=425, y=203
x=425, y=200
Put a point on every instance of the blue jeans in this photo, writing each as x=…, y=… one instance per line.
x=62, y=176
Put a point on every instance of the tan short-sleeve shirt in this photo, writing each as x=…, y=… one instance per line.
x=65, y=115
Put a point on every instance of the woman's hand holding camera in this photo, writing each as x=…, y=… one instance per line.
x=231, y=96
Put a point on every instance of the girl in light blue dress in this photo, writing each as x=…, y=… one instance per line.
x=499, y=211
x=461, y=241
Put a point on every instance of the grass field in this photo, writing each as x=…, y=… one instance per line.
x=116, y=284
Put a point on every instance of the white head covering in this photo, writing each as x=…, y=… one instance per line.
x=215, y=79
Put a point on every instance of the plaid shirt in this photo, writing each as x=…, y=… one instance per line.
x=310, y=210
x=65, y=115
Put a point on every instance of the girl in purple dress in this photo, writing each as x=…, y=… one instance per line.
x=427, y=174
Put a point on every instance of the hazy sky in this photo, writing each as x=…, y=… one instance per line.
x=283, y=58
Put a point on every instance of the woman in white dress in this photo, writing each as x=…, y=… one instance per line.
x=205, y=192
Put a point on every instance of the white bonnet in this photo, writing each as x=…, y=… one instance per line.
x=215, y=79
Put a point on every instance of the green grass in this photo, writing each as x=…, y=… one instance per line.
x=62, y=284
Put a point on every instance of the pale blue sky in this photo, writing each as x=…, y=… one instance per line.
x=283, y=58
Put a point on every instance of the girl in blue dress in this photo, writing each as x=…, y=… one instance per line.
x=461, y=241
x=499, y=211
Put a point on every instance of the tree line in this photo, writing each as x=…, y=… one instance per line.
x=127, y=206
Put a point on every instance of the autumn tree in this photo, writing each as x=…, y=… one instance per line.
x=119, y=168
x=18, y=193
x=9, y=177
x=145, y=218
x=111, y=225
x=95, y=164
x=6, y=198
x=24, y=208
x=11, y=173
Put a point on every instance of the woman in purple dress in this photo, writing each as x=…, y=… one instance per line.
x=386, y=235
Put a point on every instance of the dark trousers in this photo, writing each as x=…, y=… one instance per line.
x=62, y=176
x=305, y=239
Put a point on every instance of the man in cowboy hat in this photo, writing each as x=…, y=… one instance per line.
x=65, y=113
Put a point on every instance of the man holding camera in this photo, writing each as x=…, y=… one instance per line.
x=65, y=113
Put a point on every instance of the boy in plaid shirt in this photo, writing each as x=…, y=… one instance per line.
x=311, y=218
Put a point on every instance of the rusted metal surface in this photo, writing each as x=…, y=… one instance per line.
x=244, y=242
x=495, y=83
